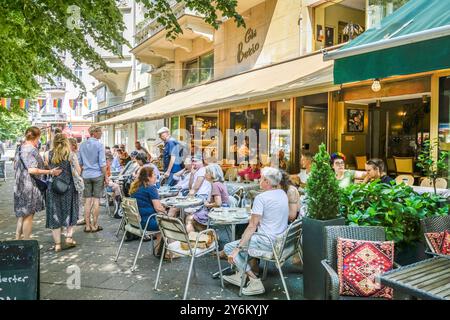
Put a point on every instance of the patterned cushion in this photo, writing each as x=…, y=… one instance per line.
x=359, y=262
x=445, y=249
x=434, y=240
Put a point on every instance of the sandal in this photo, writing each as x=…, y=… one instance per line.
x=70, y=244
x=58, y=247
x=87, y=230
x=99, y=228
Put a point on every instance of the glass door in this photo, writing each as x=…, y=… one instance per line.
x=313, y=128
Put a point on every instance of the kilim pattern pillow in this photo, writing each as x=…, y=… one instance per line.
x=445, y=249
x=359, y=262
x=434, y=240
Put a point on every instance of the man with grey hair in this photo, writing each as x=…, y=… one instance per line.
x=270, y=214
x=92, y=160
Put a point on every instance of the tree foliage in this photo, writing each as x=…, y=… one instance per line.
x=34, y=35
x=13, y=123
x=433, y=168
x=322, y=188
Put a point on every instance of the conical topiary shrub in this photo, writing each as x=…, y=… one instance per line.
x=322, y=189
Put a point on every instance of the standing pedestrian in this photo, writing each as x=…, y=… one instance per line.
x=93, y=163
x=62, y=196
x=28, y=198
x=77, y=179
x=171, y=158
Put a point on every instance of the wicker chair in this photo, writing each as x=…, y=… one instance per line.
x=435, y=224
x=332, y=233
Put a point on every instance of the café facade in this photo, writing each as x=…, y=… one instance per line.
x=262, y=77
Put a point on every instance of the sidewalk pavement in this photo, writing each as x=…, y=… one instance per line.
x=102, y=278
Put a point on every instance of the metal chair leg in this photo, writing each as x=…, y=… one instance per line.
x=120, y=247
x=189, y=277
x=218, y=263
x=137, y=253
x=264, y=276
x=160, y=265
x=282, y=279
x=122, y=222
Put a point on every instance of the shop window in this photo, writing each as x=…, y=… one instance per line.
x=241, y=122
x=199, y=70
x=379, y=9
x=338, y=22
x=280, y=132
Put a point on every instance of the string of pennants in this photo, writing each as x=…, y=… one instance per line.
x=42, y=103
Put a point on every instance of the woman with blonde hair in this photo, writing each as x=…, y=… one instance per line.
x=62, y=195
x=29, y=169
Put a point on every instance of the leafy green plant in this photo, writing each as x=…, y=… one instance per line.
x=322, y=189
x=433, y=168
x=397, y=208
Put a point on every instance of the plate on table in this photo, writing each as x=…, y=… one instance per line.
x=240, y=215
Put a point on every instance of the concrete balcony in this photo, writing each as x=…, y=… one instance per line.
x=48, y=118
x=155, y=49
x=116, y=82
x=59, y=86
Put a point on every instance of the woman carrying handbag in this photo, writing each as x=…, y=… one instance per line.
x=29, y=188
x=62, y=195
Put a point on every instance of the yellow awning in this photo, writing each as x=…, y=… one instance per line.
x=291, y=76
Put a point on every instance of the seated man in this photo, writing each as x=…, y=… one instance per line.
x=270, y=214
x=198, y=185
x=183, y=176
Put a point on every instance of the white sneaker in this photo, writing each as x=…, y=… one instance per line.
x=254, y=287
x=235, y=278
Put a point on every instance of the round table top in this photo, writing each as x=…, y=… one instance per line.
x=229, y=215
x=182, y=202
x=165, y=192
x=445, y=193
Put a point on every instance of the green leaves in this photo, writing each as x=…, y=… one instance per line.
x=13, y=124
x=397, y=208
x=34, y=35
x=322, y=188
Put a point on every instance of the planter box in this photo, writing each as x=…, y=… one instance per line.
x=314, y=275
x=413, y=253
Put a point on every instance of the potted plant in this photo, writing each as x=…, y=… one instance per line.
x=322, y=199
x=398, y=209
x=433, y=168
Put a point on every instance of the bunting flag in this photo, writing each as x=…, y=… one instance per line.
x=73, y=103
x=89, y=104
x=27, y=104
x=42, y=103
x=57, y=103
x=22, y=103
x=3, y=102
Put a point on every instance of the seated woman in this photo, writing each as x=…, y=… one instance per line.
x=251, y=173
x=219, y=198
x=376, y=169
x=142, y=161
x=293, y=196
x=124, y=158
x=345, y=177
x=143, y=189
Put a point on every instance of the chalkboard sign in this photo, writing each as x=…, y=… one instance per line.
x=19, y=270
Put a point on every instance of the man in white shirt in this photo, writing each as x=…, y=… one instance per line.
x=198, y=185
x=270, y=214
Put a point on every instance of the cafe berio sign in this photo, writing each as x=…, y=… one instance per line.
x=244, y=53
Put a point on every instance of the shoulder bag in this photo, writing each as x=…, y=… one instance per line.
x=42, y=185
x=58, y=185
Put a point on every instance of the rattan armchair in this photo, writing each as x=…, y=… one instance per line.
x=332, y=233
x=435, y=224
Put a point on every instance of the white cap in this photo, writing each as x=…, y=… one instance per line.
x=162, y=130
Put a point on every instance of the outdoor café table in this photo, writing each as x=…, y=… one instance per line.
x=427, y=279
x=165, y=192
x=228, y=217
x=445, y=193
x=182, y=203
x=246, y=186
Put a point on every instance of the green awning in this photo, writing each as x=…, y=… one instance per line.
x=415, y=38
